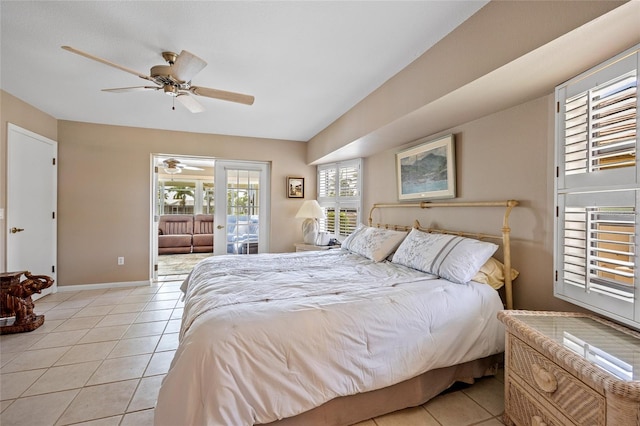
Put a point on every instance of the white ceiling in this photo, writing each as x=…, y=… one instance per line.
x=306, y=62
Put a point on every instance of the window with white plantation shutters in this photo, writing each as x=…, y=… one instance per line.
x=597, y=190
x=339, y=194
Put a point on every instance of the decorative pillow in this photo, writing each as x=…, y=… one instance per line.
x=454, y=258
x=492, y=273
x=346, y=244
x=373, y=243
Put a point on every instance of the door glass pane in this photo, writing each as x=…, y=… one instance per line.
x=207, y=198
x=243, y=191
x=177, y=197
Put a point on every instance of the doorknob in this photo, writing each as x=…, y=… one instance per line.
x=15, y=230
x=220, y=226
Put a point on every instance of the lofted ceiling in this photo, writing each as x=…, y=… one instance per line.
x=306, y=62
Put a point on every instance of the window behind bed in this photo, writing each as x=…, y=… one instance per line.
x=340, y=195
x=597, y=190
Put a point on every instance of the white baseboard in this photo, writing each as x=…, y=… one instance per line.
x=101, y=286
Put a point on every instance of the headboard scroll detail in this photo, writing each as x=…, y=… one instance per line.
x=505, y=231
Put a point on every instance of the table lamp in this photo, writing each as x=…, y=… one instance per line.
x=310, y=211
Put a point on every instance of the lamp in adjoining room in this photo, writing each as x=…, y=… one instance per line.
x=310, y=211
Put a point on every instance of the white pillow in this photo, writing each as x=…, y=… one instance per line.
x=451, y=257
x=346, y=244
x=373, y=243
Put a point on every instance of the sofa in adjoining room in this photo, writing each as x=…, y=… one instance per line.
x=203, y=233
x=175, y=233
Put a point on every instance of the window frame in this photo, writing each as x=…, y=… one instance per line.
x=595, y=189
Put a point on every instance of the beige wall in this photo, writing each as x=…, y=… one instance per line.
x=104, y=194
x=506, y=155
x=15, y=111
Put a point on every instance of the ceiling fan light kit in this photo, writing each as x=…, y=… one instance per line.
x=173, y=166
x=174, y=79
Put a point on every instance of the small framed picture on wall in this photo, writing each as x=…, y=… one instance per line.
x=295, y=187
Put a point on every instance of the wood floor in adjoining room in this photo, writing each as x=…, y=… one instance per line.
x=100, y=357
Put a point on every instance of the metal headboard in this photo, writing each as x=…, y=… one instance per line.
x=505, y=235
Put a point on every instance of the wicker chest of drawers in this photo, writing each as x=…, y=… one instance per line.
x=570, y=369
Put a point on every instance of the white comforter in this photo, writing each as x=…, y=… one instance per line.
x=270, y=336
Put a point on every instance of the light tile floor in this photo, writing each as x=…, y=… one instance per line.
x=101, y=355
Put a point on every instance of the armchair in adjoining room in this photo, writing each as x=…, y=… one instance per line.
x=203, y=233
x=175, y=233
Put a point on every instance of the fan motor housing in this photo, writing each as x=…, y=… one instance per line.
x=161, y=74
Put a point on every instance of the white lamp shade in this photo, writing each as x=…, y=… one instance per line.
x=310, y=209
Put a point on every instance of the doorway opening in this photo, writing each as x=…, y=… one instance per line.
x=193, y=218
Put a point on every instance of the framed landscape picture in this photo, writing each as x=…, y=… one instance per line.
x=427, y=171
x=295, y=187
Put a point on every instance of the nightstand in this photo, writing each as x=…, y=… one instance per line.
x=565, y=368
x=312, y=247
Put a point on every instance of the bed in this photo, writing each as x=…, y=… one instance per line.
x=338, y=336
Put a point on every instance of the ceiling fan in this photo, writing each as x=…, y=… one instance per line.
x=173, y=166
x=174, y=79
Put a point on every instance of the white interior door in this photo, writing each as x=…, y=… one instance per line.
x=31, y=204
x=241, y=215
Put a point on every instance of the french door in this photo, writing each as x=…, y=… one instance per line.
x=241, y=207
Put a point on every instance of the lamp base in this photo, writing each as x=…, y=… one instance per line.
x=309, y=231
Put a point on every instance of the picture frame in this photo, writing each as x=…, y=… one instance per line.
x=295, y=187
x=428, y=170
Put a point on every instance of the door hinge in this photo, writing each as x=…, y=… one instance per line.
x=557, y=172
x=53, y=269
x=53, y=215
x=557, y=106
x=557, y=211
x=54, y=161
x=156, y=169
x=556, y=276
x=155, y=267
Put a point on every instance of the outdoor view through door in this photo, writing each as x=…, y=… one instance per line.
x=241, y=215
x=243, y=206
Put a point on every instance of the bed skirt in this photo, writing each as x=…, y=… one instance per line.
x=352, y=409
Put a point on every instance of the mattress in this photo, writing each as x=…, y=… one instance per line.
x=269, y=336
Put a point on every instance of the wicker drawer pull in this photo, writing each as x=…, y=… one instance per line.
x=537, y=421
x=545, y=380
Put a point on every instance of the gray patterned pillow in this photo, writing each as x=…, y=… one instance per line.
x=373, y=243
x=454, y=258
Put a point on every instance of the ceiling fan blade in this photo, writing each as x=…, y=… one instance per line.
x=104, y=61
x=132, y=89
x=190, y=103
x=187, y=65
x=221, y=94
